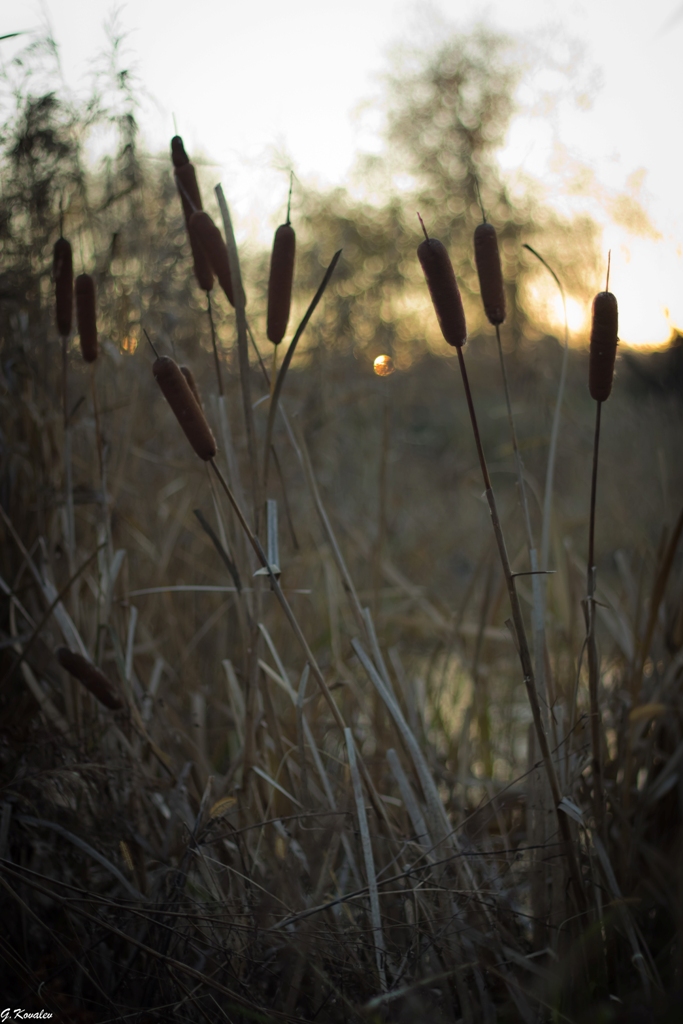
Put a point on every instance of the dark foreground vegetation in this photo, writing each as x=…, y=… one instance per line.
x=241, y=826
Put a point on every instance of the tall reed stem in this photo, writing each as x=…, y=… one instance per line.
x=523, y=646
x=381, y=503
x=593, y=662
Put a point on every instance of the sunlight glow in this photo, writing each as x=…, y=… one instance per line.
x=646, y=278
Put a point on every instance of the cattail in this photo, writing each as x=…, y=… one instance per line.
x=63, y=274
x=490, y=274
x=187, y=411
x=90, y=677
x=189, y=377
x=444, y=290
x=202, y=267
x=178, y=154
x=86, y=316
x=205, y=234
x=280, y=282
x=188, y=189
x=603, y=350
x=186, y=180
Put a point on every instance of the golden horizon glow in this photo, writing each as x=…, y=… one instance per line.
x=590, y=136
x=643, y=272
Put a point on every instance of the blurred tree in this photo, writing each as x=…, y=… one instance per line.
x=447, y=115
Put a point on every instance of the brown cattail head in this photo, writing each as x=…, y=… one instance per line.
x=86, y=316
x=179, y=396
x=63, y=274
x=186, y=182
x=192, y=383
x=490, y=273
x=205, y=235
x=178, y=154
x=188, y=189
x=89, y=676
x=444, y=290
x=280, y=282
x=603, y=350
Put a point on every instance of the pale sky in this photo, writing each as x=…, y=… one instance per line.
x=255, y=83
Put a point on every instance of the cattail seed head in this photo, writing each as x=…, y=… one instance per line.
x=188, y=189
x=63, y=274
x=280, y=282
x=178, y=154
x=89, y=676
x=86, y=316
x=178, y=394
x=444, y=290
x=205, y=234
x=487, y=258
x=603, y=348
x=192, y=384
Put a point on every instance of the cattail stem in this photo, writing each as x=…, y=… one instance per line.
x=65, y=379
x=273, y=372
x=593, y=661
x=382, y=502
x=98, y=433
x=523, y=645
x=209, y=310
x=289, y=197
x=151, y=343
x=594, y=487
x=69, y=502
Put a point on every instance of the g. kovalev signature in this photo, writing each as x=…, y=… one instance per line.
x=19, y=1014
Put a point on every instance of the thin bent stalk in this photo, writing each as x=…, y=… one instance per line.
x=524, y=654
x=538, y=615
x=277, y=389
x=539, y=624
x=243, y=353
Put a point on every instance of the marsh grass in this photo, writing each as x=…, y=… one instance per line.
x=321, y=798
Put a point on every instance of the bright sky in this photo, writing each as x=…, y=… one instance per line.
x=255, y=86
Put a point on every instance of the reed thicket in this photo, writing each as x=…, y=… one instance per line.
x=258, y=755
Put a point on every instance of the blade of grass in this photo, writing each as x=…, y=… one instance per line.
x=86, y=848
x=243, y=353
x=375, y=915
x=287, y=360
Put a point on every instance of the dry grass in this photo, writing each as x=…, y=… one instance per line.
x=321, y=798
x=132, y=839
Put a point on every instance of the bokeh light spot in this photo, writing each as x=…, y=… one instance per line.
x=383, y=366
